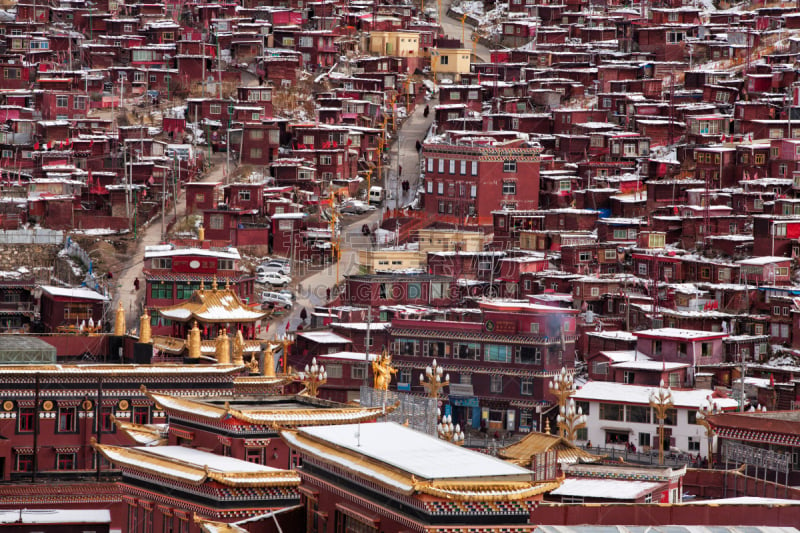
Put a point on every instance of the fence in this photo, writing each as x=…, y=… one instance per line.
x=418, y=412
x=643, y=458
x=31, y=236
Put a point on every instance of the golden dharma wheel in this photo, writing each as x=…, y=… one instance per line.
x=8, y=405
x=87, y=405
x=47, y=405
x=123, y=405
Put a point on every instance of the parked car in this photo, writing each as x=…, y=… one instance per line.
x=272, y=296
x=275, y=303
x=273, y=278
x=274, y=267
x=355, y=207
x=289, y=295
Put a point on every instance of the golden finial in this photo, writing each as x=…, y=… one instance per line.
x=119, y=320
x=268, y=369
x=202, y=284
x=253, y=364
x=194, y=342
x=214, y=284
x=222, y=349
x=547, y=425
x=227, y=284
x=238, y=348
x=144, y=328
x=201, y=233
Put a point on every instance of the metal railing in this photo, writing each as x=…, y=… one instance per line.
x=649, y=457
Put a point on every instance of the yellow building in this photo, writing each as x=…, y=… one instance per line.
x=429, y=240
x=371, y=261
x=450, y=62
x=448, y=240
x=394, y=43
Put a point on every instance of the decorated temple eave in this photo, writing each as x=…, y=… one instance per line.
x=400, y=482
x=277, y=418
x=138, y=461
x=764, y=437
x=141, y=434
x=489, y=493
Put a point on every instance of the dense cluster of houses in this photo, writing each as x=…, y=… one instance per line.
x=607, y=199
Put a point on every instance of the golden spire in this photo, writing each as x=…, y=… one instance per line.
x=194, y=342
x=227, y=284
x=214, y=283
x=222, y=350
x=269, y=363
x=119, y=320
x=201, y=233
x=238, y=348
x=144, y=328
x=202, y=284
x=547, y=425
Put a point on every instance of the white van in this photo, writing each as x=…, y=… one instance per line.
x=376, y=195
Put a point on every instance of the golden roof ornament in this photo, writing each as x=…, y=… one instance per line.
x=214, y=284
x=382, y=370
x=227, y=284
x=202, y=284
x=119, y=320
x=253, y=364
x=201, y=233
x=268, y=369
x=144, y=328
x=222, y=350
x=238, y=349
x=547, y=425
x=194, y=342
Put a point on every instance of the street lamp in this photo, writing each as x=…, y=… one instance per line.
x=661, y=402
x=570, y=420
x=434, y=383
x=313, y=378
x=562, y=387
x=708, y=408
x=448, y=431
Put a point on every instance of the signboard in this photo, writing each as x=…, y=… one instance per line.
x=404, y=386
x=461, y=389
x=500, y=326
x=465, y=402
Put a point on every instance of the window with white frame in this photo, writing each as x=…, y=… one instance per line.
x=496, y=385
x=509, y=166
x=526, y=386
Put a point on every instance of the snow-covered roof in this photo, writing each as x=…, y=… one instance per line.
x=649, y=365
x=603, y=391
x=55, y=516
x=350, y=356
x=168, y=250
x=73, y=292
x=686, y=334
x=324, y=337
x=610, y=489
x=415, y=453
x=764, y=260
